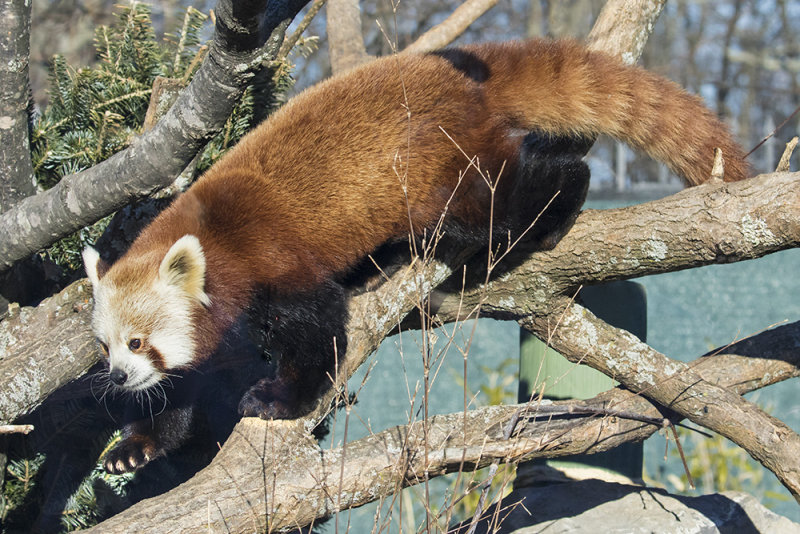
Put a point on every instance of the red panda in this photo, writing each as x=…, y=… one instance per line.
x=361, y=159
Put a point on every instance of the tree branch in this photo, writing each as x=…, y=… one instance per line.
x=702, y=225
x=699, y=226
x=43, y=348
x=623, y=27
x=725, y=224
x=279, y=475
x=583, y=338
x=247, y=34
x=16, y=172
x=270, y=468
x=446, y=32
x=345, y=41
x=774, y=211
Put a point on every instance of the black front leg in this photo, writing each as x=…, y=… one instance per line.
x=305, y=334
x=149, y=433
x=145, y=440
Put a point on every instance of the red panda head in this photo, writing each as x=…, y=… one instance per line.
x=143, y=311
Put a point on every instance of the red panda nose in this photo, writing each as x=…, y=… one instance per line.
x=118, y=376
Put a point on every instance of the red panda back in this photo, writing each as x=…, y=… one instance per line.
x=377, y=153
x=361, y=159
x=370, y=156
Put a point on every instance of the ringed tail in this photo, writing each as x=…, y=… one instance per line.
x=563, y=88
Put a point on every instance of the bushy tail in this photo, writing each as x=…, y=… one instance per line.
x=563, y=88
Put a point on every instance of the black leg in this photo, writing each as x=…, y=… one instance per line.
x=151, y=430
x=538, y=198
x=551, y=183
x=145, y=440
x=304, y=334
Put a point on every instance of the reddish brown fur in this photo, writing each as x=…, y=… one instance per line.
x=318, y=186
x=586, y=93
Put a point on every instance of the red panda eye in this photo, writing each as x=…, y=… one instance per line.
x=135, y=343
x=103, y=347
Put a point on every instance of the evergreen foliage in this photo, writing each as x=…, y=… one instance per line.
x=93, y=112
x=96, y=111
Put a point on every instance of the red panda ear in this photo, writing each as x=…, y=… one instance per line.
x=184, y=266
x=95, y=267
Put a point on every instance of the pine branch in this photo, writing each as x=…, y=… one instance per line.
x=244, y=39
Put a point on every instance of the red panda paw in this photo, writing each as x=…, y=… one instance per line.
x=267, y=400
x=130, y=454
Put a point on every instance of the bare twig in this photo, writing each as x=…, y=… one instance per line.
x=16, y=429
x=291, y=40
x=783, y=164
x=683, y=456
x=718, y=170
x=443, y=34
x=509, y=429
x=773, y=132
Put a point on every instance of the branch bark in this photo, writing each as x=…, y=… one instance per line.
x=699, y=226
x=281, y=479
x=583, y=338
x=44, y=348
x=771, y=223
x=16, y=172
x=345, y=41
x=284, y=480
x=446, y=32
x=623, y=27
x=703, y=225
x=247, y=34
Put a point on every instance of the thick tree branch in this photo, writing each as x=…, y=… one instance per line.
x=699, y=226
x=703, y=225
x=375, y=312
x=277, y=474
x=623, y=27
x=269, y=468
x=247, y=34
x=774, y=206
x=43, y=348
x=345, y=41
x=583, y=338
x=446, y=32
x=16, y=172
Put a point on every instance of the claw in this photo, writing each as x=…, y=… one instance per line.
x=252, y=406
x=130, y=454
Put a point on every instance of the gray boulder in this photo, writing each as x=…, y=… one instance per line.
x=594, y=506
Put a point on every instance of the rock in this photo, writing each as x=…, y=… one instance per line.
x=592, y=506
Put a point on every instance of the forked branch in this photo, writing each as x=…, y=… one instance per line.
x=273, y=474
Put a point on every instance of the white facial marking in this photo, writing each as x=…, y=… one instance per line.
x=140, y=370
x=154, y=305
